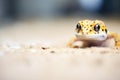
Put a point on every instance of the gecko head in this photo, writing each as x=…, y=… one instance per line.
x=91, y=30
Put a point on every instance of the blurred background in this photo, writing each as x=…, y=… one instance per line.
x=35, y=17
x=24, y=9
x=55, y=16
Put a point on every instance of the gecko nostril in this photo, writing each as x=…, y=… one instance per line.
x=85, y=33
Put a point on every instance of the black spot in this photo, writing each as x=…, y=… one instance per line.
x=90, y=30
x=97, y=27
x=102, y=29
x=90, y=25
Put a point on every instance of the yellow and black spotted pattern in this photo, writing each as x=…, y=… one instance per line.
x=90, y=27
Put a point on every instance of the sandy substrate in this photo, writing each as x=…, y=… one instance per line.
x=29, y=51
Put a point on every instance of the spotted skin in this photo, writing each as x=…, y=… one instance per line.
x=93, y=33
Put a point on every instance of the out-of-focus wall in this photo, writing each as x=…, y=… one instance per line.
x=2, y=10
x=13, y=9
x=43, y=8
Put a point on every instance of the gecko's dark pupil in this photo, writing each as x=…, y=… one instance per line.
x=78, y=27
x=106, y=30
x=97, y=27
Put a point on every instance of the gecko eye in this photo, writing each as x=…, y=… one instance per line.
x=97, y=27
x=78, y=27
x=106, y=30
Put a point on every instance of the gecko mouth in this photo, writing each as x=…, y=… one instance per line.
x=98, y=37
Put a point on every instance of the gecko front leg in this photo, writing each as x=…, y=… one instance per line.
x=76, y=43
x=116, y=38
